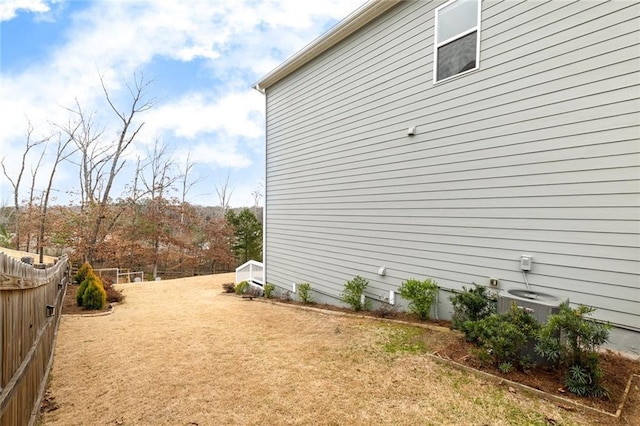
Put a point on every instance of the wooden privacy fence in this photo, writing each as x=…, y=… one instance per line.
x=30, y=307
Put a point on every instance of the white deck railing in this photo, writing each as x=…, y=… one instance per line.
x=251, y=271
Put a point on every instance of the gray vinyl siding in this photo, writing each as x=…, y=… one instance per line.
x=536, y=152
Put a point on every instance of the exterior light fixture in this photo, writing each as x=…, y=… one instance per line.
x=411, y=131
x=51, y=310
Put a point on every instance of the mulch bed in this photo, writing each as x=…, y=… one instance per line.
x=70, y=305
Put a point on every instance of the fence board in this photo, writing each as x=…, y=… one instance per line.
x=27, y=334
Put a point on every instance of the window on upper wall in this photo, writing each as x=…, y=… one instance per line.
x=457, y=38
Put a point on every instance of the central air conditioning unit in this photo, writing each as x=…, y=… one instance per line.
x=540, y=305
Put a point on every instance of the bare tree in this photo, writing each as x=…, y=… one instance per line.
x=100, y=163
x=15, y=183
x=186, y=184
x=32, y=198
x=160, y=164
x=257, y=196
x=224, y=192
x=61, y=155
x=94, y=156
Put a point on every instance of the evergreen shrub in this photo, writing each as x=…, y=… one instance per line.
x=570, y=341
x=82, y=272
x=504, y=338
x=94, y=296
x=83, y=286
x=471, y=305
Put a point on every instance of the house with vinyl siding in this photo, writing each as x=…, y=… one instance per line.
x=450, y=139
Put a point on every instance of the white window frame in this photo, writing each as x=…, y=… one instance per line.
x=437, y=44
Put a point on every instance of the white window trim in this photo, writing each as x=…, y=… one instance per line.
x=436, y=45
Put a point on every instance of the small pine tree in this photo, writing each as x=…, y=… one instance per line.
x=94, y=296
x=90, y=276
x=82, y=272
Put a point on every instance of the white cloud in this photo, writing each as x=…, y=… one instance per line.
x=234, y=114
x=238, y=41
x=9, y=8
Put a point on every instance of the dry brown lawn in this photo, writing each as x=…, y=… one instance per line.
x=19, y=254
x=181, y=352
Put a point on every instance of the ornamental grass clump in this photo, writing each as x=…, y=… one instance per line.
x=421, y=295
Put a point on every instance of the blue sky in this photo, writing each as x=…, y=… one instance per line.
x=202, y=55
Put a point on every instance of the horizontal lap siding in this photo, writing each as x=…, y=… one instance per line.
x=537, y=152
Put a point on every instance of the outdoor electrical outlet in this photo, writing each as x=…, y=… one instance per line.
x=493, y=282
x=525, y=262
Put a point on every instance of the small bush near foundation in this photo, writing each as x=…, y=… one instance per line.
x=353, y=291
x=269, y=290
x=304, y=293
x=241, y=287
x=421, y=295
x=229, y=287
x=94, y=296
x=570, y=341
x=470, y=306
x=503, y=338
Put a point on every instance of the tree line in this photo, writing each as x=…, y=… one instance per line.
x=150, y=226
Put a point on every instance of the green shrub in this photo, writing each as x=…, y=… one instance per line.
x=504, y=338
x=353, y=291
x=571, y=341
x=82, y=272
x=241, y=287
x=421, y=295
x=269, y=290
x=304, y=293
x=90, y=276
x=471, y=305
x=94, y=296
